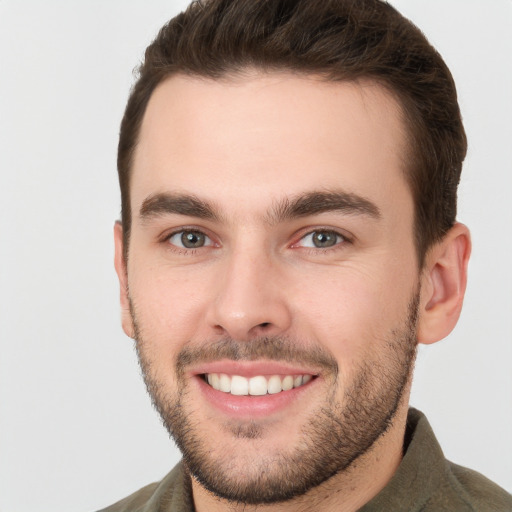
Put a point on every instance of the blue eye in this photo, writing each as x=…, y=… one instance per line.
x=190, y=239
x=322, y=239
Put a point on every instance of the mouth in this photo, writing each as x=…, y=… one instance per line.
x=253, y=390
x=258, y=385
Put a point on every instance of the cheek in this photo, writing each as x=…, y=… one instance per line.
x=168, y=305
x=167, y=315
x=351, y=311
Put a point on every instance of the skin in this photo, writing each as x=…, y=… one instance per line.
x=244, y=145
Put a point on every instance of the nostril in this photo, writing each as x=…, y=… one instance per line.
x=265, y=324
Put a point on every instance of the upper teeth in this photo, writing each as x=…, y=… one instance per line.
x=259, y=385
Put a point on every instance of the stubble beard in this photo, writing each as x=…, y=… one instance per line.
x=336, y=435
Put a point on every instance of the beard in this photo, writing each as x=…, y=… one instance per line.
x=339, y=431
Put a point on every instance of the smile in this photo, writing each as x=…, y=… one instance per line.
x=255, y=386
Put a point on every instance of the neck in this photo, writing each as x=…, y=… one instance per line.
x=347, y=491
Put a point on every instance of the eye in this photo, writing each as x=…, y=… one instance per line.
x=322, y=239
x=190, y=239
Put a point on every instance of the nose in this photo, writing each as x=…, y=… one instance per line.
x=250, y=298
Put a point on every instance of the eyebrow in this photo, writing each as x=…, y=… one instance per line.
x=316, y=202
x=181, y=204
x=303, y=205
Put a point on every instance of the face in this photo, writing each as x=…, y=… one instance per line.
x=272, y=276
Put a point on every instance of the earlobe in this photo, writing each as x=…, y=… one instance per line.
x=443, y=285
x=122, y=274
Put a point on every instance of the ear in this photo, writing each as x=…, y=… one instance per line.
x=122, y=273
x=443, y=284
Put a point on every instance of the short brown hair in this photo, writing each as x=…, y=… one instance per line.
x=334, y=39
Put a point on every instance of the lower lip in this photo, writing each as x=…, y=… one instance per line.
x=251, y=406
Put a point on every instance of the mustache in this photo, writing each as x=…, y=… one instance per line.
x=268, y=348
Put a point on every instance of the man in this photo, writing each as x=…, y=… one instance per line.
x=288, y=174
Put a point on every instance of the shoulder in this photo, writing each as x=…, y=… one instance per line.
x=451, y=487
x=477, y=491
x=426, y=482
x=172, y=492
x=136, y=502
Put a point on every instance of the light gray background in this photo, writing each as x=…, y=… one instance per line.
x=76, y=428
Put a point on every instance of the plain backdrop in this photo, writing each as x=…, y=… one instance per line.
x=77, y=431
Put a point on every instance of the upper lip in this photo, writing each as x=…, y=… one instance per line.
x=252, y=368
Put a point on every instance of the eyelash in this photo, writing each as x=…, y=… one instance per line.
x=185, y=250
x=343, y=239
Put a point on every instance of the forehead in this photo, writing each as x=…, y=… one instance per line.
x=266, y=135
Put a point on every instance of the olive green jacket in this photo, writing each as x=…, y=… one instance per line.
x=424, y=482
